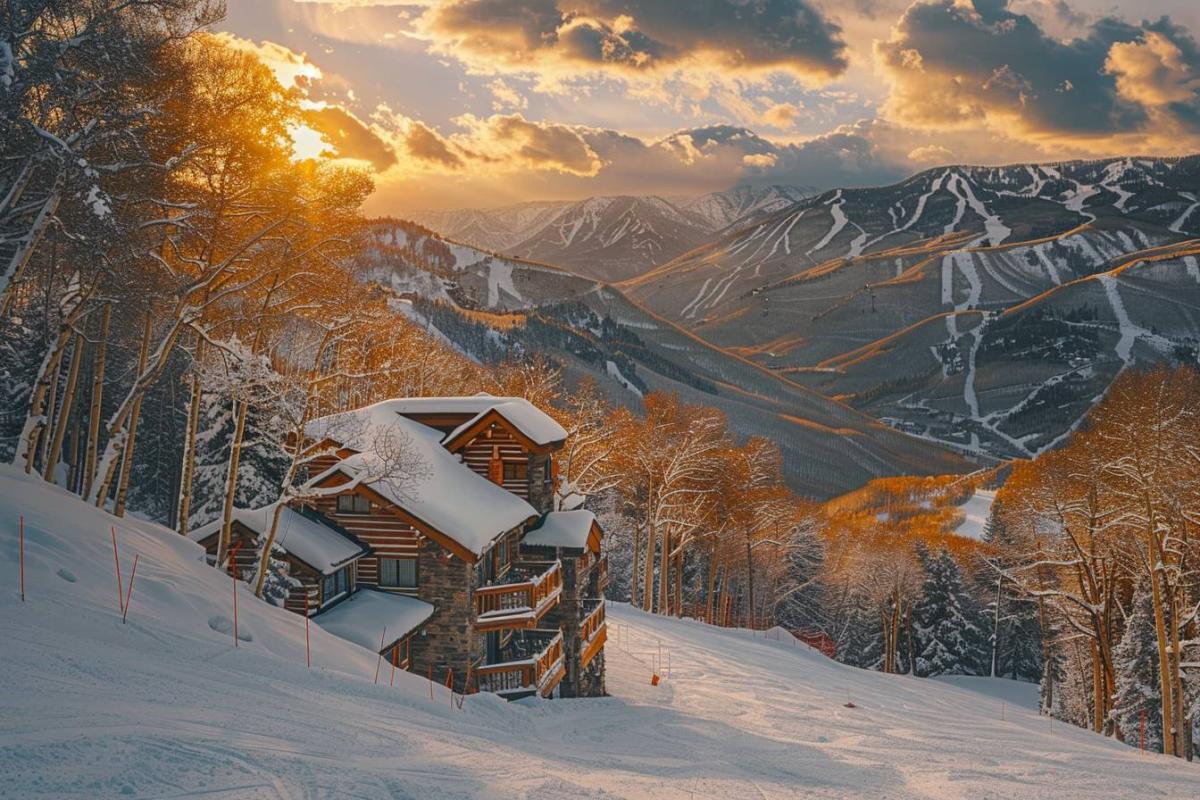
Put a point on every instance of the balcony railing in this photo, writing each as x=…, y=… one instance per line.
x=534, y=664
x=602, y=573
x=529, y=591
x=592, y=631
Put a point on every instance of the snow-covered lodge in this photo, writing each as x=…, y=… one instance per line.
x=427, y=526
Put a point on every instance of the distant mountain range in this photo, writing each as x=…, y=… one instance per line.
x=986, y=308
x=981, y=309
x=611, y=237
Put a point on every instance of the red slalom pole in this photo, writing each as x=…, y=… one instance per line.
x=307, y=647
x=129, y=594
x=21, y=540
x=117, y=559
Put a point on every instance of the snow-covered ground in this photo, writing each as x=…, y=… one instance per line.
x=975, y=512
x=165, y=707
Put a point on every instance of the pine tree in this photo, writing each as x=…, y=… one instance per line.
x=861, y=644
x=1011, y=616
x=1136, y=657
x=951, y=638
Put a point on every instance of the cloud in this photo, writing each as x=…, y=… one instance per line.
x=515, y=142
x=931, y=154
x=637, y=40
x=350, y=137
x=1154, y=71
x=425, y=144
x=505, y=97
x=959, y=64
x=291, y=69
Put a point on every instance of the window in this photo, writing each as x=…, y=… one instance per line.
x=335, y=585
x=400, y=573
x=353, y=504
x=515, y=471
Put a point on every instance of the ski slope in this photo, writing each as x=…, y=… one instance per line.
x=165, y=707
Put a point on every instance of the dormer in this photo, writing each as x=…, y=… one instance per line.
x=511, y=444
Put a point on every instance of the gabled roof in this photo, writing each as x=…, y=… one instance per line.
x=571, y=529
x=526, y=420
x=367, y=615
x=443, y=495
x=318, y=542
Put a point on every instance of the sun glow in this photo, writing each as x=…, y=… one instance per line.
x=307, y=143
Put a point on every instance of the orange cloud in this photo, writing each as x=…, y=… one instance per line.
x=636, y=40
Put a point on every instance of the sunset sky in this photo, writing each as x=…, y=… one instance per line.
x=481, y=103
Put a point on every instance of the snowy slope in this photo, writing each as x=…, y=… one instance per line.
x=975, y=513
x=165, y=707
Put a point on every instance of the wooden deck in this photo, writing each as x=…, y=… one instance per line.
x=539, y=672
x=523, y=602
x=593, y=632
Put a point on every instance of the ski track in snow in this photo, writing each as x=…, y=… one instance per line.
x=1051, y=270
x=960, y=205
x=1193, y=267
x=1129, y=332
x=996, y=230
x=164, y=707
x=500, y=279
x=1113, y=173
x=1177, y=225
x=839, y=222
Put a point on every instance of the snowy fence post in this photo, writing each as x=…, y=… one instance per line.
x=307, y=647
x=21, y=546
x=129, y=594
x=380, y=661
x=431, y=682
x=117, y=559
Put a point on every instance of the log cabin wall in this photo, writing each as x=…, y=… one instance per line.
x=526, y=477
x=496, y=443
x=387, y=535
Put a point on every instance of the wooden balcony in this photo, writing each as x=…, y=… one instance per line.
x=535, y=666
x=530, y=590
x=602, y=574
x=593, y=632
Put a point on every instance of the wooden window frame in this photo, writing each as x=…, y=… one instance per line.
x=416, y=567
x=355, y=499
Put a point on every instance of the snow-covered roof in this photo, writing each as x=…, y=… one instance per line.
x=443, y=492
x=562, y=529
x=363, y=617
x=531, y=421
x=306, y=536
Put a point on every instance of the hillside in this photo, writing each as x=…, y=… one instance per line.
x=490, y=306
x=165, y=706
x=608, y=238
x=982, y=307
